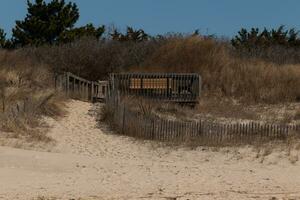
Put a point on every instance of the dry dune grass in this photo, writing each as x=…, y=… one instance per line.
x=26, y=93
x=224, y=72
x=225, y=75
x=225, y=110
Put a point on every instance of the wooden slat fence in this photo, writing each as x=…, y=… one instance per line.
x=204, y=132
x=131, y=123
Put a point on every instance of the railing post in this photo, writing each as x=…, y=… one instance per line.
x=73, y=86
x=123, y=120
x=92, y=91
x=67, y=83
x=79, y=89
x=86, y=86
x=153, y=129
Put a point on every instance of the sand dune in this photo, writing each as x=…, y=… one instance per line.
x=90, y=163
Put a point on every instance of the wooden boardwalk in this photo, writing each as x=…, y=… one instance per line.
x=131, y=123
x=80, y=88
x=171, y=87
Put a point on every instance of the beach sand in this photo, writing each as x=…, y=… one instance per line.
x=88, y=162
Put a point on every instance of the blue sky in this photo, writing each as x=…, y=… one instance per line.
x=220, y=17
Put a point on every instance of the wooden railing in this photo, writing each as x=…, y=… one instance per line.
x=171, y=87
x=80, y=88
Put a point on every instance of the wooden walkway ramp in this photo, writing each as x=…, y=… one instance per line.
x=80, y=88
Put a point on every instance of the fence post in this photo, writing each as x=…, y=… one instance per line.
x=153, y=128
x=123, y=120
x=92, y=91
x=67, y=83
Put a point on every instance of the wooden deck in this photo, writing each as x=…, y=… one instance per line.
x=176, y=87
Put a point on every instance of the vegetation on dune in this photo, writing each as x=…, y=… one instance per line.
x=3, y=41
x=226, y=75
x=26, y=93
x=255, y=66
x=276, y=45
x=255, y=38
x=131, y=35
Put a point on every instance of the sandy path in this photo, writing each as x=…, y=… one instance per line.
x=88, y=164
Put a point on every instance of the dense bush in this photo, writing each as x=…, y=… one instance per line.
x=276, y=45
x=266, y=38
x=93, y=59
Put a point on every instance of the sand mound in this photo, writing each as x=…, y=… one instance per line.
x=90, y=163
